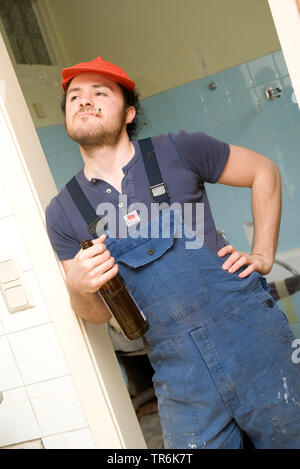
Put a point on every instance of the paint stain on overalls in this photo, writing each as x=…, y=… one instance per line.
x=219, y=345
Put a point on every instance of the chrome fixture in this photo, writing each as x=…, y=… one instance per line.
x=212, y=86
x=272, y=93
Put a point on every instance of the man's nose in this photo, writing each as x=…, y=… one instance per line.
x=86, y=101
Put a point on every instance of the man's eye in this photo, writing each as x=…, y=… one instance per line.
x=74, y=97
x=100, y=93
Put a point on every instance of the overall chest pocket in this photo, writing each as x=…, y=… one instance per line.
x=161, y=276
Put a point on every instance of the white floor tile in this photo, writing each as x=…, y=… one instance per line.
x=38, y=354
x=56, y=406
x=79, y=439
x=17, y=420
x=10, y=377
x=29, y=317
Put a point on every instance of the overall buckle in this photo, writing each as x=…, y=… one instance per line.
x=92, y=227
x=159, y=189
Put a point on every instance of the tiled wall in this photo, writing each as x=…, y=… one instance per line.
x=237, y=112
x=40, y=401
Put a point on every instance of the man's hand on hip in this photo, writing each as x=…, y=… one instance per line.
x=237, y=259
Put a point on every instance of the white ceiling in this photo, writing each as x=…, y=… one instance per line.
x=162, y=43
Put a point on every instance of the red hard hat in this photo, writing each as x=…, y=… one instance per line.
x=101, y=66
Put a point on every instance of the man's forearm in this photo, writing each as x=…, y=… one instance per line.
x=90, y=307
x=266, y=209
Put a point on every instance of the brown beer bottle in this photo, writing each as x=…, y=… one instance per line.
x=122, y=306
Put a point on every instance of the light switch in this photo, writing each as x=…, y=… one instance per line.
x=15, y=297
x=13, y=285
x=8, y=271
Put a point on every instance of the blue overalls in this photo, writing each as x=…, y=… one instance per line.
x=220, y=347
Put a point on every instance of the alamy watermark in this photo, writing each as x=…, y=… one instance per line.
x=296, y=353
x=161, y=221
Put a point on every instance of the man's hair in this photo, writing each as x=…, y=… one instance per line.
x=131, y=98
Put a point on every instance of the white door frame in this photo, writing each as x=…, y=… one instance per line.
x=286, y=16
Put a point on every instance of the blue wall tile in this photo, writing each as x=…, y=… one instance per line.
x=245, y=104
x=296, y=330
x=263, y=70
x=195, y=119
x=287, y=89
x=219, y=192
x=64, y=165
x=290, y=169
x=237, y=237
x=237, y=78
x=219, y=112
x=265, y=147
x=280, y=63
x=294, y=112
x=251, y=129
x=171, y=124
x=166, y=104
x=286, y=201
x=188, y=96
x=244, y=208
x=149, y=131
x=277, y=120
x=288, y=235
x=149, y=110
x=54, y=139
x=285, y=145
x=293, y=194
x=225, y=215
x=230, y=133
x=295, y=214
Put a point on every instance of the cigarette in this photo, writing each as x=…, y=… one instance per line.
x=97, y=111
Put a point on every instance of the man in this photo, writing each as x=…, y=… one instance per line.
x=219, y=345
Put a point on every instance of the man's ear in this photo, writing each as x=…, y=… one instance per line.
x=130, y=114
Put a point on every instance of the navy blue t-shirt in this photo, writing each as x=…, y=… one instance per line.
x=186, y=161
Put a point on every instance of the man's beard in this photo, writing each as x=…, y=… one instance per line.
x=98, y=136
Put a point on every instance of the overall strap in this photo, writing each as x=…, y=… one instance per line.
x=158, y=188
x=85, y=208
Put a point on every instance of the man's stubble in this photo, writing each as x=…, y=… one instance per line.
x=98, y=135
